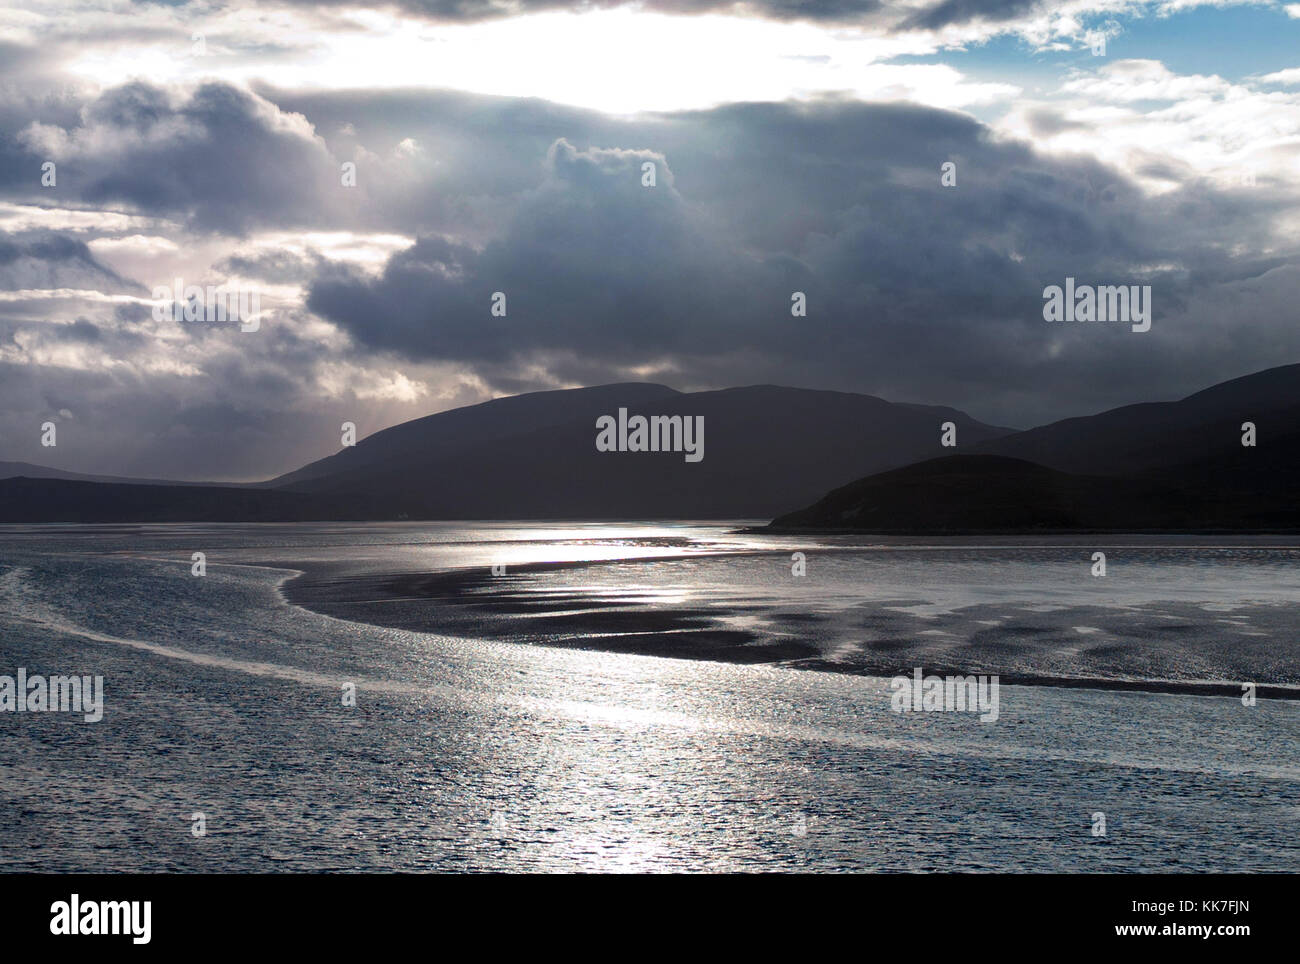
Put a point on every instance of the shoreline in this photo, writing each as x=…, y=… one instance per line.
x=772, y=530
x=470, y=603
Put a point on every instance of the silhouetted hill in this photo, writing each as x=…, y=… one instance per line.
x=534, y=457
x=1159, y=436
x=1167, y=465
x=445, y=434
x=1171, y=465
x=990, y=493
x=9, y=470
x=61, y=500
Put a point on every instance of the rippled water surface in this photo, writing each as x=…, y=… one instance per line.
x=513, y=721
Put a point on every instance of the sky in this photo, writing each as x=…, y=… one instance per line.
x=376, y=175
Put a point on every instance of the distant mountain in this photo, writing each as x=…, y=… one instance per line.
x=9, y=470
x=445, y=434
x=63, y=500
x=1163, y=436
x=993, y=494
x=971, y=493
x=534, y=456
x=1157, y=466
x=766, y=449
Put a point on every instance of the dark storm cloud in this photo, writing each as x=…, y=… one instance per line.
x=1048, y=123
x=243, y=417
x=49, y=248
x=933, y=17
x=899, y=16
x=957, y=12
x=81, y=330
x=276, y=267
x=582, y=253
x=219, y=158
x=914, y=290
x=17, y=58
x=470, y=11
x=132, y=314
x=50, y=260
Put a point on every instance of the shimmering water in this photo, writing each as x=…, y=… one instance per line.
x=521, y=752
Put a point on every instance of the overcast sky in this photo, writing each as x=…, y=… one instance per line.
x=500, y=146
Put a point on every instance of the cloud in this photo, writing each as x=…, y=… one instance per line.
x=915, y=290
x=956, y=12
x=219, y=158
x=1289, y=76
x=379, y=296
x=52, y=260
x=469, y=11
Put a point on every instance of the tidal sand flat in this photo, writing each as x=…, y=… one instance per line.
x=223, y=697
x=1173, y=614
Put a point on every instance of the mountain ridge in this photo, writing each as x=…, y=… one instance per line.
x=1177, y=465
x=534, y=456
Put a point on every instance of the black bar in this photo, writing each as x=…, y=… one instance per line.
x=959, y=912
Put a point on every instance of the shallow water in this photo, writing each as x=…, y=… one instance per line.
x=223, y=698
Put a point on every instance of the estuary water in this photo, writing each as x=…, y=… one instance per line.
x=645, y=697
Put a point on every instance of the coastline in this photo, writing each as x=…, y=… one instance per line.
x=469, y=602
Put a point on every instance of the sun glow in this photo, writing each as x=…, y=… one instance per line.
x=618, y=61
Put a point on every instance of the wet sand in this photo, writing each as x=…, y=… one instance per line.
x=517, y=607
